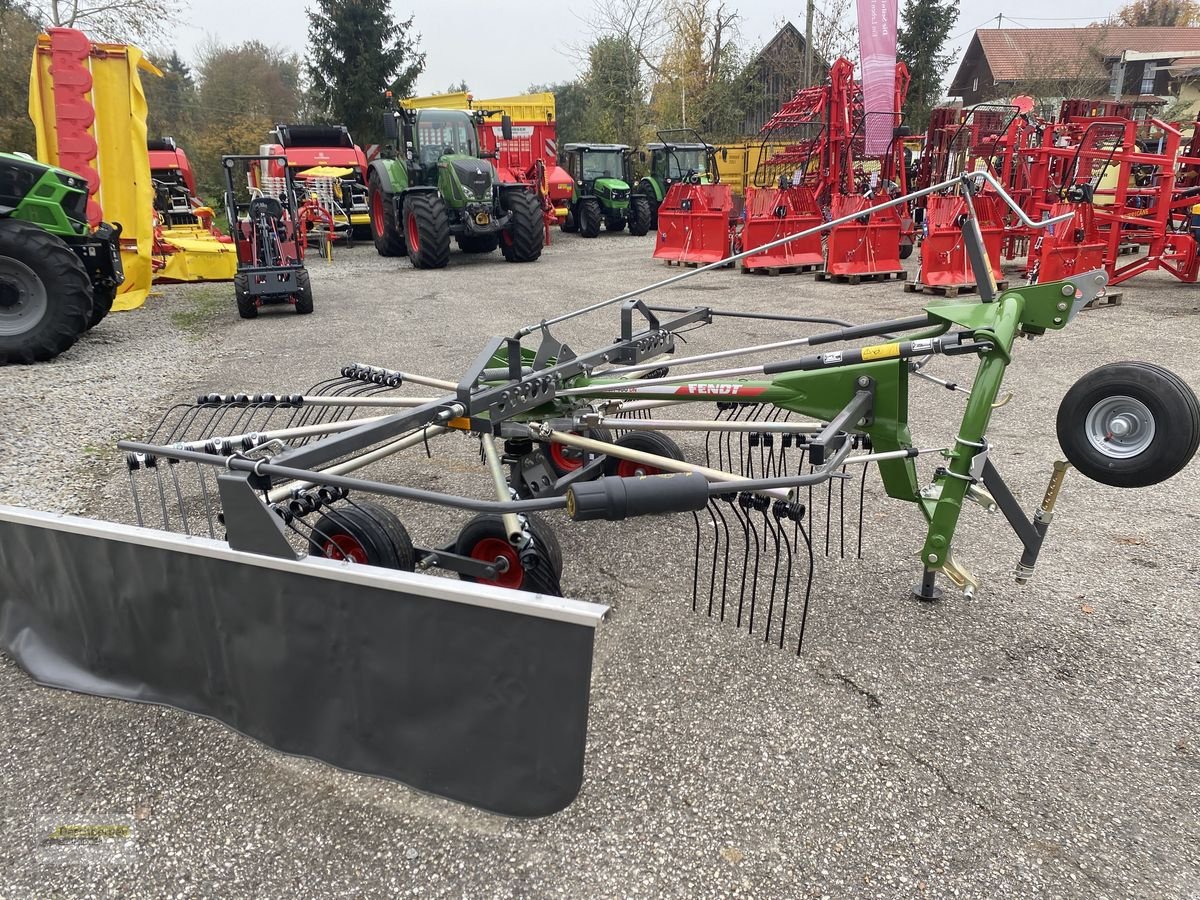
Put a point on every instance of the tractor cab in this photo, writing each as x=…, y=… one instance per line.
x=691, y=159
x=604, y=191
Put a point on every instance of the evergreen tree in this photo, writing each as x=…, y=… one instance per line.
x=171, y=100
x=358, y=52
x=920, y=42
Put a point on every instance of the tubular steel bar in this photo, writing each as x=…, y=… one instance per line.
x=965, y=178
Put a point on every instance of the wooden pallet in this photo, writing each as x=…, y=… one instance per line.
x=1110, y=298
x=786, y=270
x=687, y=264
x=899, y=274
x=947, y=290
x=1129, y=249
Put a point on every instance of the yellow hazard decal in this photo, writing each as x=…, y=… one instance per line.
x=880, y=351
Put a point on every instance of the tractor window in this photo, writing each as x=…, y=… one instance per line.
x=684, y=161
x=442, y=134
x=603, y=164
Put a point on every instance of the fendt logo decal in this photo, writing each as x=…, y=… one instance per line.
x=720, y=390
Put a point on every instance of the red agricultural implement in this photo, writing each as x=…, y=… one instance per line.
x=696, y=223
x=773, y=213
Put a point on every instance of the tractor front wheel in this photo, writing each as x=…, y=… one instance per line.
x=427, y=230
x=640, y=215
x=590, y=217
x=522, y=241
x=385, y=230
x=45, y=294
x=304, y=293
x=247, y=305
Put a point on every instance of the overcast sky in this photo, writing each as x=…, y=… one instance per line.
x=500, y=48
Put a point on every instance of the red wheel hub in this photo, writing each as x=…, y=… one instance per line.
x=491, y=550
x=377, y=212
x=629, y=469
x=566, y=459
x=344, y=546
x=414, y=235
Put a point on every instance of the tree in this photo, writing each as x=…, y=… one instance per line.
x=120, y=21
x=920, y=43
x=171, y=100
x=1159, y=12
x=835, y=33
x=616, y=90
x=358, y=52
x=18, y=36
x=458, y=87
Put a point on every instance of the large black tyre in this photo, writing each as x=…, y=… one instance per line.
x=640, y=215
x=614, y=223
x=385, y=230
x=537, y=569
x=646, y=442
x=247, y=307
x=478, y=243
x=590, y=217
x=363, y=532
x=45, y=294
x=569, y=224
x=427, y=230
x=1129, y=424
x=906, y=249
x=103, y=296
x=304, y=293
x=526, y=234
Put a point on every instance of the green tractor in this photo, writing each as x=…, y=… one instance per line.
x=674, y=160
x=603, y=194
x=58, y=276
x=438, y=184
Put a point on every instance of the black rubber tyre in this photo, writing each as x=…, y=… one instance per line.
x=654, y=205
x=103, y=296
x=640, y=215
x=646, y=442
x=478, y=243
x=247, y=307
x=614, y=224
x=1158, y=415
x=304, y=293
x=906, y=250
x=536, y=569
x=564, y=459
x=589, y=217
x=45, y=294
x=426, y=230
x=569, y=225
x=385, y=230
x=364, y=533
x=526, y=234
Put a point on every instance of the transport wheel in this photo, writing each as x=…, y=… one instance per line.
x=646, y=442
x=478, y=243
x=1129, y=424
x=45, y=294
x=247, y=306
x=589, y=217
x=103, y=296
x=304, y=293
x=641, y=216
x=523, y=240
x=385, y=230
x=536, y=569
x=565, y=459
x=569, y=224
x=427, y=231
x=364, y=533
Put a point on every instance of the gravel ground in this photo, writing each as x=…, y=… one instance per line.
x=1037, y=741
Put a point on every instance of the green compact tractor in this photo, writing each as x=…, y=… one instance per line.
x=671, y=160
x=603, y=176
x=58, y=276
x=438, y=183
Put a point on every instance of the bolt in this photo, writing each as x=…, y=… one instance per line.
x=864, y=381
x=1062, y=307
x=1058, y=320
x=1068, y=289
x=932, y=557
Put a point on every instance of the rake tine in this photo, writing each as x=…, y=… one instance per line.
x=712, y=576
x=171, y=467
x=743, y=520
x=162, y=495
x=770, y=526
x=725, y=567
x=208, y=511
x=781, y=509
x=696, y=564
x=862, y=486
x=137, y=502
x=746, y=500
x=842, y=515
x=808, y=587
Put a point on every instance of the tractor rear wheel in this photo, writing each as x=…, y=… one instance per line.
x=569, y=224
x=478, y=243
x=523, y=240
x=589, y=217
x=304, y=294
x=103, y=296
x=45, y=294
x=247, y=305
x=427, y=230
x=640, y=215
x=385, y=230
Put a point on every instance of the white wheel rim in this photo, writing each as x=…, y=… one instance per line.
x=1120, y=427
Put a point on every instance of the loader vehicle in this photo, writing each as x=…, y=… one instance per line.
x=436, y=183
x=603, y=176
x=58, y=275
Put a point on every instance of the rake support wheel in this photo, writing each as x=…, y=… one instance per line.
x=363, y=533
x=536, y=568
x=646, y=442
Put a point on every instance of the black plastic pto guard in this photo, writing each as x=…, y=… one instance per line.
x=467, y=691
